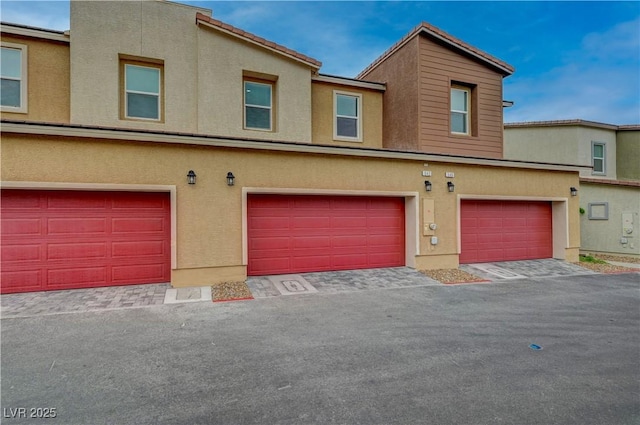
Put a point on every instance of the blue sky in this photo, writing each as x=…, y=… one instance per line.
x=573, y=59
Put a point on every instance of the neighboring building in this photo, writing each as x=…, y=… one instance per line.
x=153, y=143
x=609, y=189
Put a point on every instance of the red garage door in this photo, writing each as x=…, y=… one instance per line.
x=292, y=234
x=505, y=231
x=72, y=239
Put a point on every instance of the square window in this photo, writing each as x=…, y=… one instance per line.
x=347, y=116
x=258, y=105
x=13, y=77
x=141, y=90
x=598, y=155
x=460, y=102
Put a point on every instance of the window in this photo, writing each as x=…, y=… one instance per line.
x=258, y=105
x=347, y=116
x=13, y=72
x=460, y=102
x=141, y=83
x=598, y=154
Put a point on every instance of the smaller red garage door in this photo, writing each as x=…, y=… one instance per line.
x=505, y=231
x=74, y=239
x=294, y=234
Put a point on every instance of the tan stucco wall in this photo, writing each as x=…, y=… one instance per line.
x=149, y=29
x=628, y=154
x=221, y=62
x=47, y=80
x=209, y=214
x=203, y=71
x=606, y=235
x=561, y=145
x=322, y=119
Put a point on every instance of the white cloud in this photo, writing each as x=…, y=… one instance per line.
x=598, y=82
x=52, y=15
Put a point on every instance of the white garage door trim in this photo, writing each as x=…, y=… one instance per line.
x=411, y=214
x=559, y=213
x=28, y=185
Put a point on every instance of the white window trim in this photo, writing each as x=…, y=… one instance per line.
x=604, y=158
x=337, y=93
x=23, y=80
x=158, y=95
x=466, y=113
x=270, y=107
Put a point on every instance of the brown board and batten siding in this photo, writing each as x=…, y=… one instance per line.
x=400, y=106
x=439, y=68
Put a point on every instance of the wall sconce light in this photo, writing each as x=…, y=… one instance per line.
x=230, y=178
x=427, y=185
x=574, y=191
x=451, y=186
x=191, y=177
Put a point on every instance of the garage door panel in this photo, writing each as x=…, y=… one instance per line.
x=348, y=222
x=269, y=243
x=22, y=280
x=326, y=232
x=67, y=238
x=138, y=249
x=350, y=261
x=76, y=251
x=311, y=242
x=20, y=252
x=505, y=230
x=76, y=226
x=138, y=225
x=76, y=277
x=23, y=226
x=136, y=273
x=76, y=201
x=310, y=222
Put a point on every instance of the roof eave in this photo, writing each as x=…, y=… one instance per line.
x=214, y=24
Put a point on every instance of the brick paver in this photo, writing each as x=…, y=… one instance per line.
x=529, y=268
x=349, y=280
x=81, y=300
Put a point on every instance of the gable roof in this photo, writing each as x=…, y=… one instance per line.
x=254, y=39
x=449, y=41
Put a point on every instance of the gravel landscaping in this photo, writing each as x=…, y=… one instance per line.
x=452, y=276
x=230, y=291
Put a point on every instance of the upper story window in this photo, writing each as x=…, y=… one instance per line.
x=258, y=105
x=13, y=73
x=598, y=155
x=347, y=123
x=460, y=110
x=141, y=90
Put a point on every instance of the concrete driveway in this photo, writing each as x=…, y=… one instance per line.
x=415, y=355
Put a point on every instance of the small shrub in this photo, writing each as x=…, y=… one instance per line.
x=591, y=259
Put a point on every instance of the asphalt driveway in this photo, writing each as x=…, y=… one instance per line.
x=415, y=355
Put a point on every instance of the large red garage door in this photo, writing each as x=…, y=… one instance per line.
x=293, y=234
x=505, y=231
x=74, y=239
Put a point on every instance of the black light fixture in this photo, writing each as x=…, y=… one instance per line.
x=574, y=191
x=427, y=185
x=451, y=186
x=230, y=178
x=191, y=177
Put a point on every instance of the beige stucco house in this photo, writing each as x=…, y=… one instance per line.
x=133, y=155
x=609, y=190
